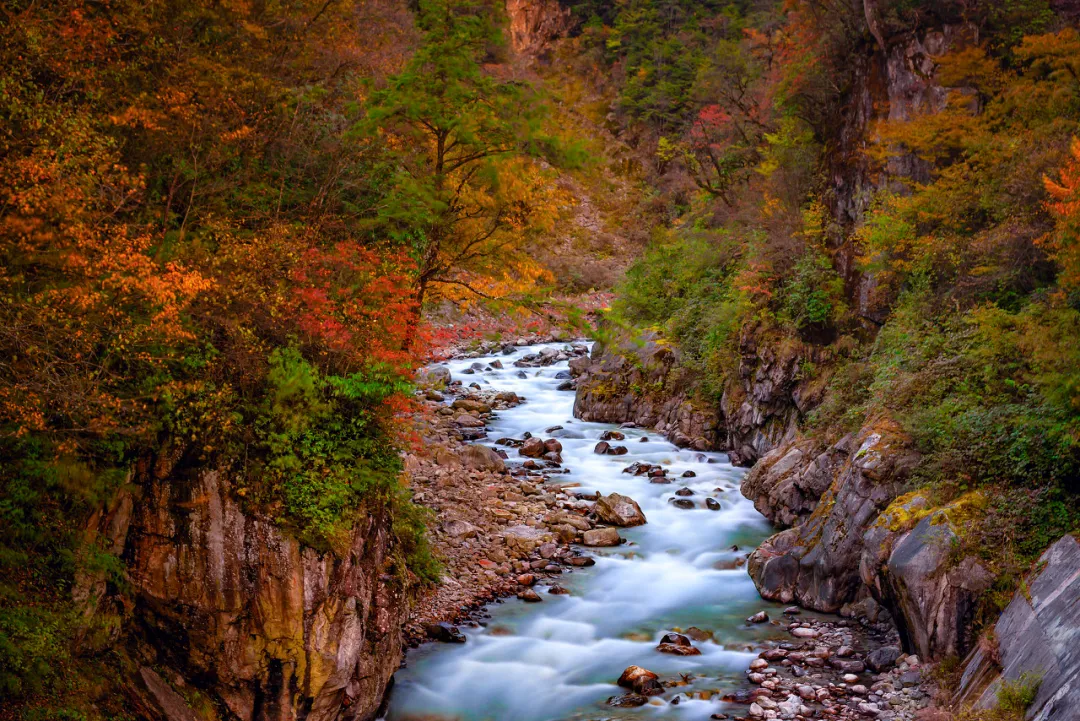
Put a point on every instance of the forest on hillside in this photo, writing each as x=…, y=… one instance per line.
x=231, y=232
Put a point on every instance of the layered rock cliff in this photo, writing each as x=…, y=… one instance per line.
x=225, y=607
x=645, y=385
x=1037, y=641
x=644, y=381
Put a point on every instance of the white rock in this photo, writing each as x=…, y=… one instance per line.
x=756, y=711
x=804, y=633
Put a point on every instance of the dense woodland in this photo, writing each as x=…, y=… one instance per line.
x=223, y=224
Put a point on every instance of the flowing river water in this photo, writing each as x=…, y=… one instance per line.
x=560, y=659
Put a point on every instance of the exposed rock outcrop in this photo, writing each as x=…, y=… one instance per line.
x=1037, y=638
x=535, y=23
x=762, y=406
x=272, y=629
x=644, y=382
x=645, y=386
x=817, y=562
x=912, y=572
x=861, y=544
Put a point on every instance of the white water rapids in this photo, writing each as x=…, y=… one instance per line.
x=560, y=659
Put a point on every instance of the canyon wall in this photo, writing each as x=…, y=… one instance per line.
x=228, y=617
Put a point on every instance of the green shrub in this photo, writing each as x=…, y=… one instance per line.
x=813, y=297
x=1016, y=696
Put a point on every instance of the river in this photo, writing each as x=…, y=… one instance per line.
x=560, y=659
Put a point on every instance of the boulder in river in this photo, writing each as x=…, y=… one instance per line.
x=436, y=376
x=641, y=681
x=712, y=504
x=630, y=700
x=619, y=510
x=529, y=596
x=677, y=644
x=602, y=537
x=683, y=503
x=533, y=448
x=684, y=491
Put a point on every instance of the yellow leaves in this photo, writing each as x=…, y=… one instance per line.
x=136, y=117
x=241, y=133
x=970, y=66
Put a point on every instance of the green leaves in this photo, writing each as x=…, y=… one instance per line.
x=326, y=449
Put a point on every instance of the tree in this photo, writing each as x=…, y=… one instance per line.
x=465, y=194
x=1064, y=242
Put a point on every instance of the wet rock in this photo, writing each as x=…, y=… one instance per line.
x=602, y=537
x=689, y=474
x=619, y=510
x=557, y=590
x=630, y=700
x=677, y=644
x=712, y=504
x=759, y=617
x=682, y=503
x=642, y=681
x=444, y=633
x=529, y=596
x=612, y=436
x=684, y=491
x=552, y=445
x=601, y=448
x=533, y=448
x=526, y=579
x=698, y=634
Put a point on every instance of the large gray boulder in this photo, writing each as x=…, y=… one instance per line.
x=817, y=562
x=932, y=596
x=1037, y=635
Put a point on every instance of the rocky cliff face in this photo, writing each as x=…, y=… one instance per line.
x=643, y=382
x=231, y=610
x=645, y=385
x=535, y=23
x=1038, y=637
x=860, y=544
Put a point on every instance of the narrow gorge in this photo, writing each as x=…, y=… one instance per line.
x=539, y=360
